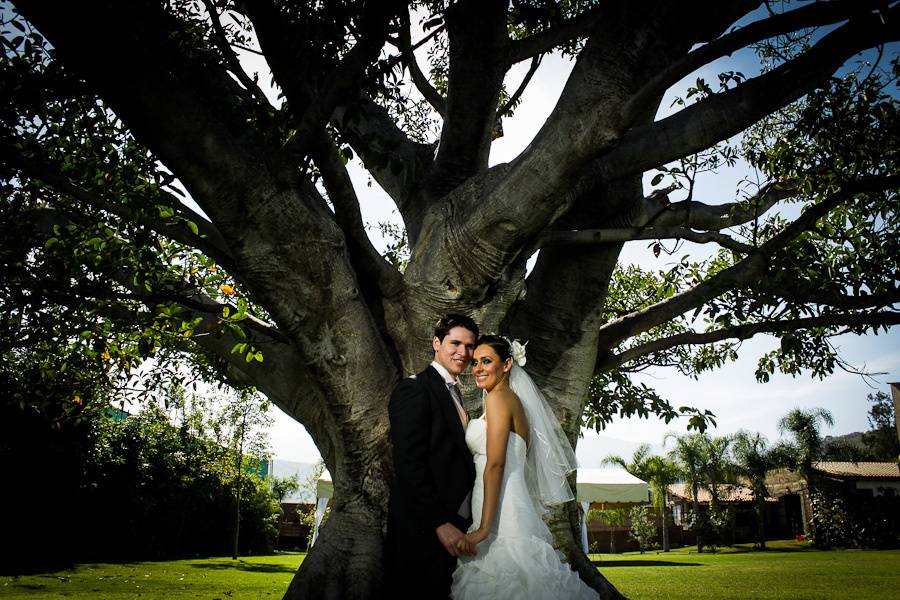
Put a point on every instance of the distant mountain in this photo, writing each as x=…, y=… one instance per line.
x=854, y=438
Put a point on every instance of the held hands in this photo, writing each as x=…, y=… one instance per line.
x=467, y=544
x=450, y=536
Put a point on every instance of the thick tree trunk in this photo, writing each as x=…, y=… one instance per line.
x=346, y=561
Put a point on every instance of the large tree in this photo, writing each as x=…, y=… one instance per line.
x=115, y=110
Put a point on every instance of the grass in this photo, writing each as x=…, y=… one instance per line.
x=788, y=570
x=203, y=579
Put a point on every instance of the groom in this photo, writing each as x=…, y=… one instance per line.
x=434, y=472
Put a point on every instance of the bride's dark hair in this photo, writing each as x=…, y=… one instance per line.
x=499, y=344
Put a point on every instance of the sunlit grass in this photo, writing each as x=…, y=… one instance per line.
x=204, y=579
x=788, y=570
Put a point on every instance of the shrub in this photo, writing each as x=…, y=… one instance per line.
x=713, y=528
x=847, y=520
x=643, y=527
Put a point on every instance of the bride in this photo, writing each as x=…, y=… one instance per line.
x=521, y=458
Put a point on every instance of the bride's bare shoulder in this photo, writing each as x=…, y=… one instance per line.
x=505, y=398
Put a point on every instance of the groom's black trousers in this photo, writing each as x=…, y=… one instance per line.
x=421, y=570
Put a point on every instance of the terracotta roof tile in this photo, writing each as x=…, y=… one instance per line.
x=875, y=470
x=727, y=493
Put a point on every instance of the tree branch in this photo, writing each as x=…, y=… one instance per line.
x=743, y=332
x=408, y=57
x=347, y=214
x=397, y=163
x=347, y=78
x=606, y=236
x=189, y=297
x=657, y=211
x=535, y=63
x=744, y=272
x=801, y=293
x=814, y=15
x=208, y=240
x=545, y=41
x=222, y=41
x=725, y=114
x=477, y=34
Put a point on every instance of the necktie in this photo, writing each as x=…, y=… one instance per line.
x=457, y=400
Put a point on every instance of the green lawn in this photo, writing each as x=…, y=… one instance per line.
x=790, y=571
x=203, y=579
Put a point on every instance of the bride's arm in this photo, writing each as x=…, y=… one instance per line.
x=498, y=414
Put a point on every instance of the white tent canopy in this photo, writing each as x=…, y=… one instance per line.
x=324, y=491
x=594, y=485
x=607, y=486
x=324, y=486
x=610, y=485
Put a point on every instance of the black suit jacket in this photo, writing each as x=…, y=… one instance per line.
x=433, y=474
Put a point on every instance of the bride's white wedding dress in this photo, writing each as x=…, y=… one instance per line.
x=517, y=560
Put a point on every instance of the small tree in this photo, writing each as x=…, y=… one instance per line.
x=241, y=428
x=712, y=527
x=882, y=440
x=282, y=487
x=612, y=518
x=643, y=527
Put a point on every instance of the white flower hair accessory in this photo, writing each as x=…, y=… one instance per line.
x=517, y=350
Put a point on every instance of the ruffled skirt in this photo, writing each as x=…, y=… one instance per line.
x=517, y=568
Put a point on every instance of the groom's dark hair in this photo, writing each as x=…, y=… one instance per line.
x=448, y=322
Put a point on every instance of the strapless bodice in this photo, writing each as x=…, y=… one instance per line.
x=476, y=440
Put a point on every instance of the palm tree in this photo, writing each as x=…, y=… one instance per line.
x=752, y=461
x=662, y=472
x=806, y=448
x=689, y=454
x=638, y=464
x=718, y=469
x=659, y=472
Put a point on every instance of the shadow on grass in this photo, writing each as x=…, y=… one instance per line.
x=749, y=549
x=642, y=563
x=245, y=566
x=29, y=586
x=15, y=570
